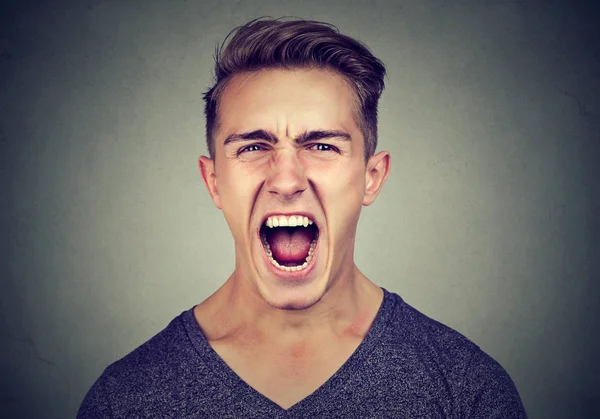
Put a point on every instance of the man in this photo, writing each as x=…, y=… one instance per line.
x=297, y=330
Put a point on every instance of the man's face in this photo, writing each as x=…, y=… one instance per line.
x=288, y=144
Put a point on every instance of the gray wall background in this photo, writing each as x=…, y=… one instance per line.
x=488, y=221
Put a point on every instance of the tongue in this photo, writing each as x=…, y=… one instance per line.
x=290, y=244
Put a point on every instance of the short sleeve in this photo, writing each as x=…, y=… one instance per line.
x=489, y=392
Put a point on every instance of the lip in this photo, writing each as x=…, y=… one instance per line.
x=280, y=273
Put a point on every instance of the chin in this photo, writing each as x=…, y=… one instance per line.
x=290, y=260
x=295, y=299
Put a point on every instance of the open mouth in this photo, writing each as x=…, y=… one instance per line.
x=289, y=241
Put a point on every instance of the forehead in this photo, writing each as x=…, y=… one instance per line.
x=287, y=100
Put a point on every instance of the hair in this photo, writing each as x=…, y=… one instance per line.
x=267, y=43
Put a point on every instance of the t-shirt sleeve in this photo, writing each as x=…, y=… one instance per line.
x=489, y=392
x=96, y=403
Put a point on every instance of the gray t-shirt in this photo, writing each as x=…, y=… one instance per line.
x=407, y=366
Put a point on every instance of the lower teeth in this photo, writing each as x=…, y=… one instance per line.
x=289, y=268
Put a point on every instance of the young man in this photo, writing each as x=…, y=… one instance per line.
x=297, y=330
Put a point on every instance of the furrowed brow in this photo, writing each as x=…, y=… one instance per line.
x=322, y=135
x=259, y=134
x=303, y=138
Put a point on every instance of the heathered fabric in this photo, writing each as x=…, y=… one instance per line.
x=408, y=366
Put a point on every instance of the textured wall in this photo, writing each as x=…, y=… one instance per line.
x=488, y=222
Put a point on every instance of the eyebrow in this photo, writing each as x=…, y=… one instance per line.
x=305, y=137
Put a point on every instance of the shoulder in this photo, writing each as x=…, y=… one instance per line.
x=157, y=354
x=478, y=385
x=142, y=376
x=412, y=330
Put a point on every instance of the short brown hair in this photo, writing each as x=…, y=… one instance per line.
x=297, y=43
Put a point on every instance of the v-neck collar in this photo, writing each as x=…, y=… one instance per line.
x=260, y=402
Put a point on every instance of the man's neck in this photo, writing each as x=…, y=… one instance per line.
x=238, y=313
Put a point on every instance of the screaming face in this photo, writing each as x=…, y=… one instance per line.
x=289, y=175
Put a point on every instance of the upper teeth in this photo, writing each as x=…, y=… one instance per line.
x=287, y=221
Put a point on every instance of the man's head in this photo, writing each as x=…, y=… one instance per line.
x=276, y=43
x=289, y=142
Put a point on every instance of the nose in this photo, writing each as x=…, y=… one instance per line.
x=287, y=177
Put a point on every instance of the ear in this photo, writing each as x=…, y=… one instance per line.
x=207, y=170
x=378, y=168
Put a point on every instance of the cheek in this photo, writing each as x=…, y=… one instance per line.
x=236, y=194
x=236, y=187
x=351, y=184
x=342, y=193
